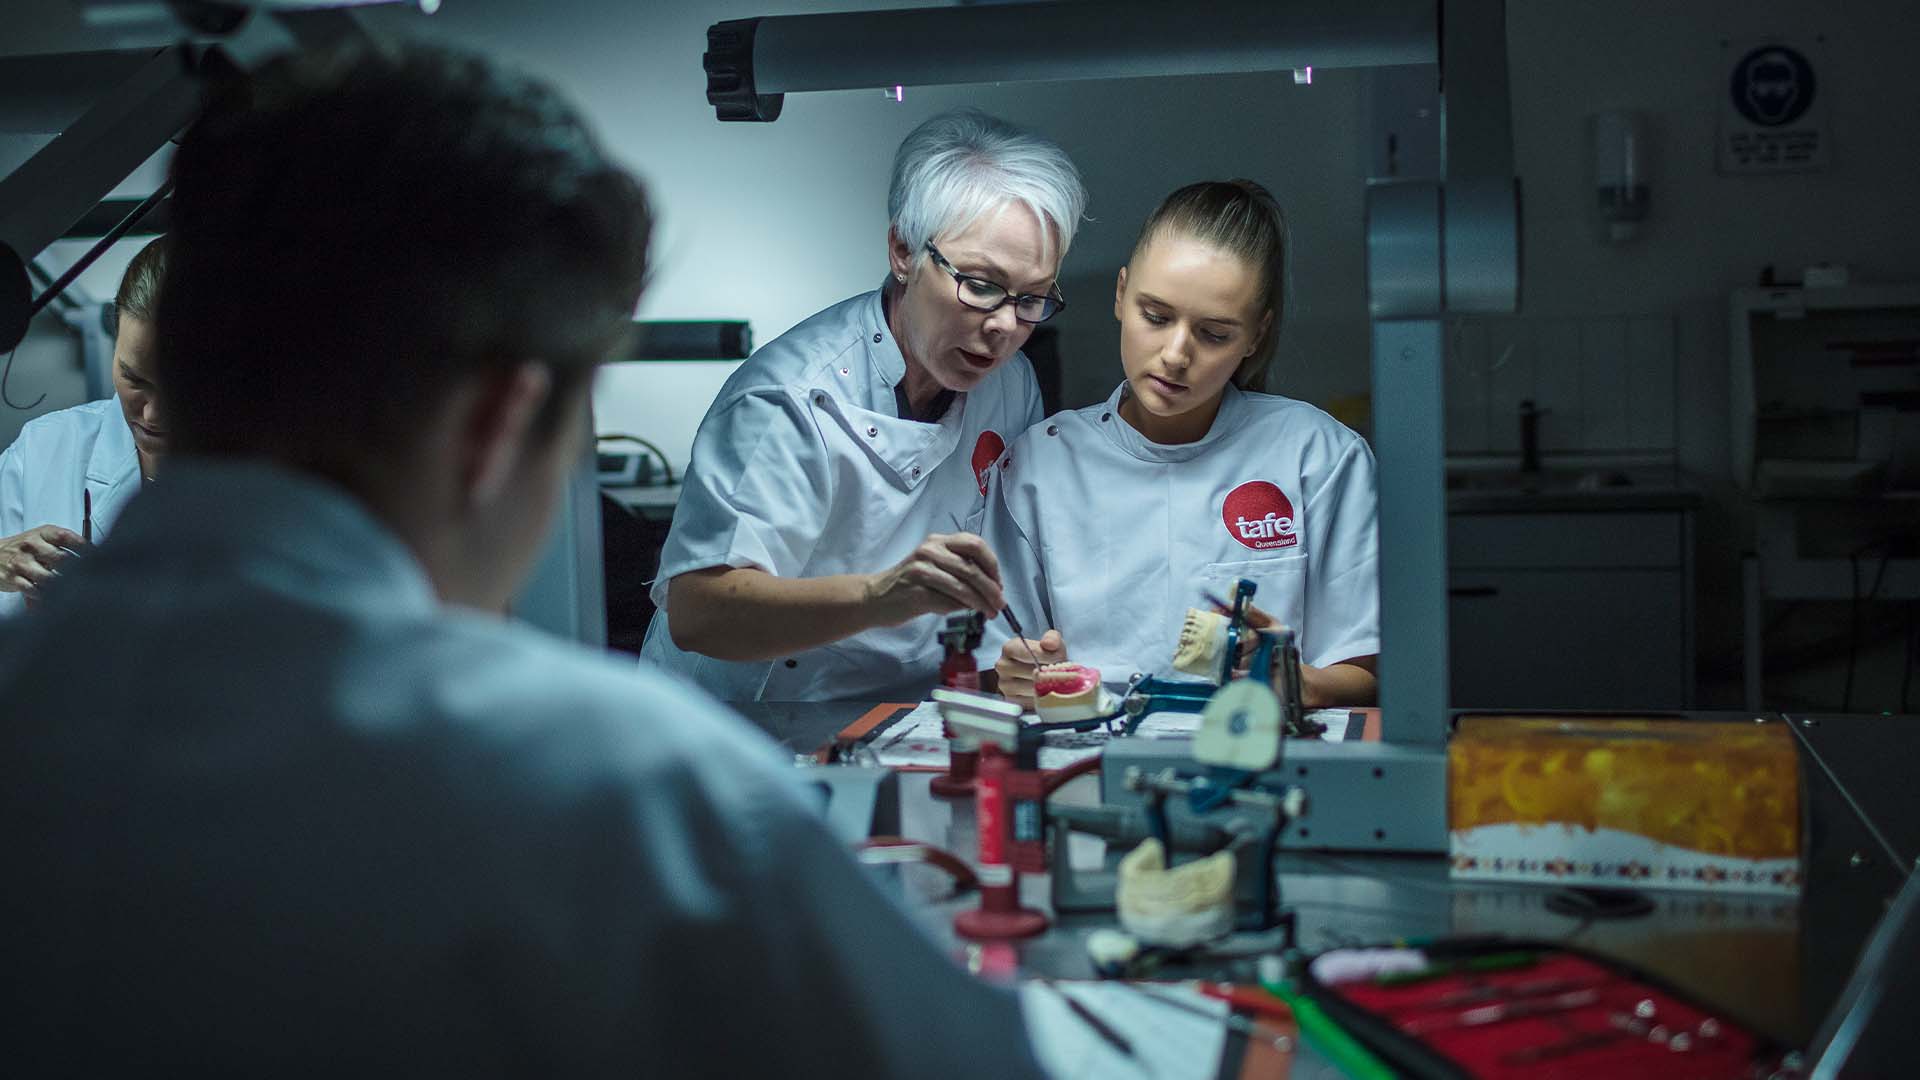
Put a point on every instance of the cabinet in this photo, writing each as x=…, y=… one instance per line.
x=1824, y=393
x=1571, y=609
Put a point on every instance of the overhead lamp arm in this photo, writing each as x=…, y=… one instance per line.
x=43, y=198
x=752, y=63
x=112, y=235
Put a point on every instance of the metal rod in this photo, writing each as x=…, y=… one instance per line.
x=39, y=274
x=1007, y=611
x=99, y=246
x=69, y=176
x=1409, y=441
x=1022, y=635
x=1852, y=803
x=1167, y=782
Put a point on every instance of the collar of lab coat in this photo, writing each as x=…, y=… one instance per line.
x=286, y=529
x=112, y=449
x=889, y=364
x=908, y=450
x=1232, y=404
x=883, y=352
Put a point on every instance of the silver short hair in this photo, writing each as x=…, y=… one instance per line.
x=963, y=163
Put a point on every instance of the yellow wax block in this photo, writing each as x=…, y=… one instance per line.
x=1718, y=788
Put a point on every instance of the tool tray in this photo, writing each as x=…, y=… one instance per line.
x=1570, y=1012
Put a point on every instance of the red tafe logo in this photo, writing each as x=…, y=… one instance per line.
x=1259, y=516
x=986, y=451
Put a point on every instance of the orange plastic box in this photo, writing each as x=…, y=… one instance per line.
x=1643, y=803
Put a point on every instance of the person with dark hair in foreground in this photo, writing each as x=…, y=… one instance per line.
x=282, y=794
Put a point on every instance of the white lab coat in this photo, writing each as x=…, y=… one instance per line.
x=56, y=457
x=278, y=812
x=804, y=468
x=1111, y=538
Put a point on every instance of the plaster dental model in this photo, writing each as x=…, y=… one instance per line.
x=1189, y=904
x=1069, y=692
x=1202, y=638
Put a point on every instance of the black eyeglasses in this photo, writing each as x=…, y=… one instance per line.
x=982, y=295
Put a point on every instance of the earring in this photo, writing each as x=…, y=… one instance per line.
x=899, y=277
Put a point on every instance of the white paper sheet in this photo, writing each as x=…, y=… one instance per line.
x=1168, y=1042
x=915, y=739
x=1336, y=721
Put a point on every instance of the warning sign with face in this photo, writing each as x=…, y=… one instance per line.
x=1772, y=110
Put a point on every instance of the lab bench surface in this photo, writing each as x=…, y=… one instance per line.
x=1520, y=500
x=1778, y=964
x=655, y=501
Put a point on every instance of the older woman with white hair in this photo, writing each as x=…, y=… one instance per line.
x=815, y=542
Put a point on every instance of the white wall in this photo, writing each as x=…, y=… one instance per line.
x=1709, y=233
x=772, y=222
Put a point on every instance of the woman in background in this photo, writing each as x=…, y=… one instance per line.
x=70, y=473
x=810, y=556
x=1113, y=520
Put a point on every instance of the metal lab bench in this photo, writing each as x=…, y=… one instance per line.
x=654, y=502
x=1776, y=963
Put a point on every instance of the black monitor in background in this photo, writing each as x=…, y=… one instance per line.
x=1043, y=349
x=630, y=551
x=672, y=339
x=732, y=339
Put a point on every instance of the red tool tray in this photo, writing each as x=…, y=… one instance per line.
x=1567, y=1013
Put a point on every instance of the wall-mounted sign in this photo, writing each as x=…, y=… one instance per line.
x=1773, y=109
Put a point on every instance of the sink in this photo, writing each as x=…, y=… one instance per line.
x=1556, y=481
x=1510, y=491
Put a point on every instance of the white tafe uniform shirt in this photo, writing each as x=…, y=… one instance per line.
x=803, y=468
x=1111, y=538
x=276, y=811
x=55, y=458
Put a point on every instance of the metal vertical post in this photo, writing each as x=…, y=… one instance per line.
x=1753, y=607
x=1407, y=437
x=566, y=594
